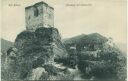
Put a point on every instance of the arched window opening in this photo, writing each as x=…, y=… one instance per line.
x=36, y=12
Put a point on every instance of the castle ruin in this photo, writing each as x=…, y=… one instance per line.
x=39, y=15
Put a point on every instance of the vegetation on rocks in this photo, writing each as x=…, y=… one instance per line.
x=97, y=57
x=41, y=55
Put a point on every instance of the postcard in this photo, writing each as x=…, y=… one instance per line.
x=63, y=40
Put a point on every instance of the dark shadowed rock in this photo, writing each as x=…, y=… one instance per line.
x=35, y=49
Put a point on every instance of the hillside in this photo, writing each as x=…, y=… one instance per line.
x=94, y=38
x=5, y=44
x=74, y=39
x=42, y=54
x=96, y=56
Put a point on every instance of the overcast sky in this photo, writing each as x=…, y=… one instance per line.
x=107, y=17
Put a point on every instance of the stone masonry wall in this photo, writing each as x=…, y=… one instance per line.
x=39, y=15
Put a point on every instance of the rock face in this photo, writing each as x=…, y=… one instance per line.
x=43, y=39
x=34, y=50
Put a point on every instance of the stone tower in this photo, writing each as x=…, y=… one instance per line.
x=39, y=15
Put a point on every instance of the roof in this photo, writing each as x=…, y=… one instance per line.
x=39, y=3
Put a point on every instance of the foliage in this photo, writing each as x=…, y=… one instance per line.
x=106, y=65
x=81, y=40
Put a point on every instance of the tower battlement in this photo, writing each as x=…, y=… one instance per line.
x=39, y=15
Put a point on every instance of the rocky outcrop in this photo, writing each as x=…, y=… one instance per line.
x=37, y=56
x=36, y=49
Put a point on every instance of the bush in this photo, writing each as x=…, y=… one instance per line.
x=107, y=65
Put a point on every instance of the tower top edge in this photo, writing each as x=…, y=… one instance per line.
x=39, y=3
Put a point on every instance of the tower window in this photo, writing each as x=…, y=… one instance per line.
x=36, y=12
x=29, y=17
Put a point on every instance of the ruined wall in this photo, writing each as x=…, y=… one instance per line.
x=39, y=15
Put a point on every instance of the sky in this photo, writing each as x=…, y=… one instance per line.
x=107, y=17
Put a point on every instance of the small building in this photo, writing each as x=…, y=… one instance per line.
x=39, y=15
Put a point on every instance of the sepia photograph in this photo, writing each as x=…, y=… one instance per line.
x=68, y=40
